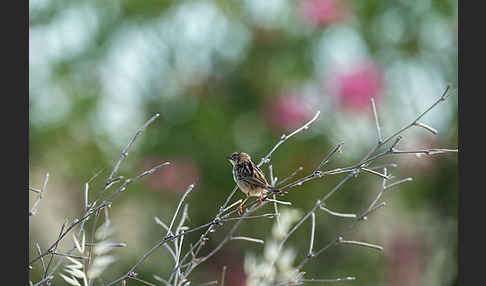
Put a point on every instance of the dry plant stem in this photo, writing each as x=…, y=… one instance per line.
x=177, y=245
x=284, y=138
x=336, y=213
x=352, y=170
x=196, y=248
x=172, y=237
x=89, y=211
x=248, y=239
x=273, y=180
x=426, y=151
x=223, y=274
x=209, y=283
x=42, y=259
x=44, y=280
x=142, y=281
x=253, y=208
x=426, y=127
x=360, y=243
x=124, y=153
x=264, y=160
x=33, y=210
x=290, y=176
x=313, y=231
x=398, y=182
x=302, y=281
x=53, y=249
x=380, y=193
x=188, y=190
x=90, y=249
x=372, y=207
x=69, y=255
x=375, y=115
x=161, y=280
x=380, y=143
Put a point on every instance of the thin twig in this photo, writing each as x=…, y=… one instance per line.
x=336, y=213
x=124, y=153
x=301, y=281
x=365, y=244
x=398, y=182
x=426, y=151
x=290, y=176
x=219, y=218
x=188, y=190
x=375, y=173
x=426, y=127
x=375, y=115
x=313, y=230
x=70, y=255
x=248, y=239
x=223, y=274
x=233, y=204
x=284, y=138
x=142, y=281
x=33, y=210
x=209, y=283
x=279, y=202
x=42, y=259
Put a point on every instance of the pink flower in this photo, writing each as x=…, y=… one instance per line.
x=353, y=89
x=321, y=12
x=288, y=112
x=175, y=177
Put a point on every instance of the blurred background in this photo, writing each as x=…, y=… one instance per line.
x=227, y=76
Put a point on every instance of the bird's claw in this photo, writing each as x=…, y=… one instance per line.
x=240, y=210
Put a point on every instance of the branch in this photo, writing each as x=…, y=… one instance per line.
x=284, y=138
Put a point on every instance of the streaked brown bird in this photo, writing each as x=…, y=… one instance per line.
x=249, y=178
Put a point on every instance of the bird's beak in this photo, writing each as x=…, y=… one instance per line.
x=228, y=158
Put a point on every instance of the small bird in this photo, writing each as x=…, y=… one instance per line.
x=249, y=178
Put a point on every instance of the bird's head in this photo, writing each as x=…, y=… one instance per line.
x=238, y=157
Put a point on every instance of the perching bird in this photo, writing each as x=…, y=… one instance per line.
x=249, y=178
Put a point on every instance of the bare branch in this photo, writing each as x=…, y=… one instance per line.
x=313, y=230
x=398, y=182
x=302, y=281
x=365, y=244
x=223, y=274
x=284, y=138
x=141, y=281
x=124, y=153
x=209, y=283
x=290, y=176
x=375, y=173
x=279, y=202
x=33, y=210
x=426, y=127
x=375, y=115
x=336, y=213
x=426, y=151
x=233, y=204
x=248, y=239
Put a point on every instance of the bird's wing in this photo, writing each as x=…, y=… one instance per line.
x=252, y=175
